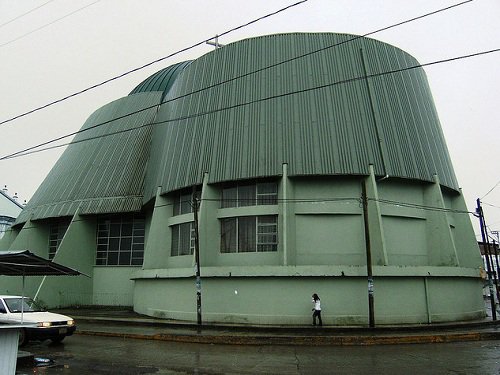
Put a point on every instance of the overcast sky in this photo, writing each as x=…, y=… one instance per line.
x=65, y=46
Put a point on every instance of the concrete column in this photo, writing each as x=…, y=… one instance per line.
x=466, y=246
x=377, y=239
x=158, y=242
x=208, y=225
x=440, y=245
x=287, y=219
x=76, y=250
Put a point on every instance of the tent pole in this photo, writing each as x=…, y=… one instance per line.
x=22, y=302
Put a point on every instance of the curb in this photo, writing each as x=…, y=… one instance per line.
x=133, y=326
x=332, y=340
x=302, y=329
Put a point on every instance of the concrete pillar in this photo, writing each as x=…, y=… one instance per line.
x=377, y=240
x=287, y=219
x=158, y=242
x=440, y=245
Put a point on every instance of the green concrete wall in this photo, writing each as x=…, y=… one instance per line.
x=112, y=286
x=77, y=250
x=322, y=247
x=34, y=237
x=287, y=300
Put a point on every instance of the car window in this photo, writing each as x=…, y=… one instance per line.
x=16, y=305
x=2, y=308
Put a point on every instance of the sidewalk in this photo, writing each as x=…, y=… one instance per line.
x=128, y=324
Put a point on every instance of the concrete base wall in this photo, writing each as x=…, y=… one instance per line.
x=287, y=300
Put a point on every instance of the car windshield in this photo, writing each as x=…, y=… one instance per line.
x=15, y=305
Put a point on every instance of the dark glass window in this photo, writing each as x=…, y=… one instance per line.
x=5, y=223
x=249, y=234
x=183, y=239
x=242, y=195
x=57, y=230
x=183, y=203
x=120, y=240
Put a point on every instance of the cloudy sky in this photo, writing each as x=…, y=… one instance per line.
x=50, y=49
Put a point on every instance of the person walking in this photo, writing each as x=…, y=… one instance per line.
x=316, y=309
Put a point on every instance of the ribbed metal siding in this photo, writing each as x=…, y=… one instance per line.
x=105, y=174
x=230, y=132
x=162, y=80
x=328, y=131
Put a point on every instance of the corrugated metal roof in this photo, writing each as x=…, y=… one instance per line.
x=103, y=170
x=327, y=131
x=238, y=125
x=162, y=80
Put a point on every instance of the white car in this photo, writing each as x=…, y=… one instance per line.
x=41, y=325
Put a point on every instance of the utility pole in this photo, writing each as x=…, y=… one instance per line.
x=496, y=275
x=486, y=246
x=197, y=257
x=371, y=313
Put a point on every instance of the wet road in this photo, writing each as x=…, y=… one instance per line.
x=102, y=355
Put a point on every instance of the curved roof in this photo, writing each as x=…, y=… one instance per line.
x=162, y=80
x=325, y=104
x=301, y=99
x=102, y=171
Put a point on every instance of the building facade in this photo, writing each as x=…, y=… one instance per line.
x=312, y=161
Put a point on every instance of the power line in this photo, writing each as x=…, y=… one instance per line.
x=149, y=64
x=48, y=24
x=24, y=14
x=488, y=204
x=420, y=206
x=493, y=188
x=331, y=200
x=244, y=75
x=75, y=133
x=316, y=51
x=32, y=150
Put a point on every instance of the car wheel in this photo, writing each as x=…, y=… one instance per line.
x=23, y=337
x=57, y=339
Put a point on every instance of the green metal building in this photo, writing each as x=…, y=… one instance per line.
x=277, y=137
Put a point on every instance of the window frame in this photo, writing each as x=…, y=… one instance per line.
x=57, y=231
x=234, y=235
x=120, y=240
x=183, y=202
x=175, y=251
x=233, y=195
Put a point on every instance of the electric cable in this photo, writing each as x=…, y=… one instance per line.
x=420, y=206
x=33, y=149
x=149, y=64
x=493, y=188
x=24, y=14
x=249, y=73
x=488, y=204
x=48, y=24
x=328, y=200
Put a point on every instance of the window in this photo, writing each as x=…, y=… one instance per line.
x=242, y=195
x=57, y=230
x=183, y=239
x=5, y=223
x=249, y=234
x=120, y=241
x=183, y=203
